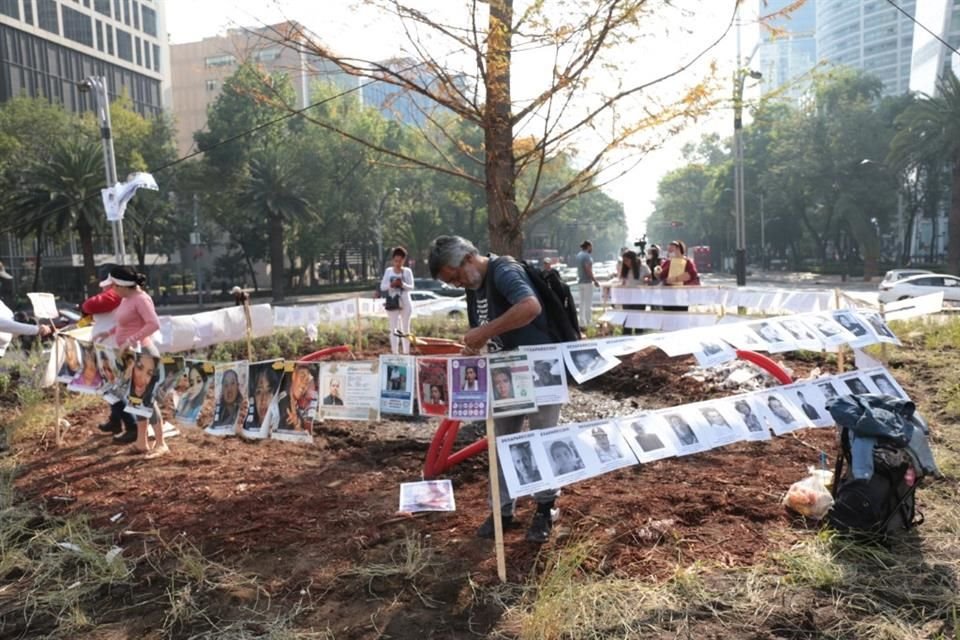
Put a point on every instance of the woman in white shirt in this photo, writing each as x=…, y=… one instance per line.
x=633, y=273
x=396, y=284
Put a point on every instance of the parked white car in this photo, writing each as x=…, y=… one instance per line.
x=895, y=275
x=427, y=303
x=921, y=285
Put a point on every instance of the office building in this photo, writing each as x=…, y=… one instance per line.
x=788, y=49
x=199, y=70
x=48, y=46
x=868, y=34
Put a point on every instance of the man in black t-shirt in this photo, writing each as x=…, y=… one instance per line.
x=504, y=313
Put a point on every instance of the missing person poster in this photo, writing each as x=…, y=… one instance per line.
x=110, y=373
x=586, y=360
x=524, y=463
x=604, y=448
x=350, y=390
x=469, y=399
x=230, y=390
x=173, y=369
x=397, y=384
x=297, y=401
x=428, y=495
x=199, y=379
x=549, y=374
x=69, y=358
x=263, y=386
x=146, y=375
x=648, y=437
x=565, y=455
x=433, y=387
x=88, y=378
x=511, y=384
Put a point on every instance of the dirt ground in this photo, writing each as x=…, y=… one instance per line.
x=305, y=518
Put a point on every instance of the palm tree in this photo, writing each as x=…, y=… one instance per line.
x=274, y=189
x=929, y=132
x=61, y=194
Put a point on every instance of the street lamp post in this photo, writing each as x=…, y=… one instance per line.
x=97, y=85
x=739, y=77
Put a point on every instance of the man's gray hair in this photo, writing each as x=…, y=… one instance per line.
x=449, y=251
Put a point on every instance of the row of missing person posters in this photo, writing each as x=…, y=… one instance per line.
x=549, y=458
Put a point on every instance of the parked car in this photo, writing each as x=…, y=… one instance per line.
x=895, y=275
x=437, y=287
x=921, y=285
x=427, y=303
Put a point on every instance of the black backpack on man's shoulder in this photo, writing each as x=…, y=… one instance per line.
x=556, y=300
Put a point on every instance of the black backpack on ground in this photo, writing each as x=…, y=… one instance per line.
x=884, y=504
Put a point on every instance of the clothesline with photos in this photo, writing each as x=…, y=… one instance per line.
x=551, y=458
x=282, y=398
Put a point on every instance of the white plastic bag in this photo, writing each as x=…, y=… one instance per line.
x=809, y=497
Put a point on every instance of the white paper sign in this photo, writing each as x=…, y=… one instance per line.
x=549, y=374
x=585, y=360
x=44, y=305
x=350, y=390
x=511, y=384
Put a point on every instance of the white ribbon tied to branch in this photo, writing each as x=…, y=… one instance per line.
x=115, y=198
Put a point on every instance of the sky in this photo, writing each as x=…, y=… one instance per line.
x=672, y=43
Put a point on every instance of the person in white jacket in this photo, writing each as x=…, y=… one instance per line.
x=397, y=283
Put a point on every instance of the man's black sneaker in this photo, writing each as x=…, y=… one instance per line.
x=539, y=530
x=486, y=529
x=128, y=436
x=109, y=427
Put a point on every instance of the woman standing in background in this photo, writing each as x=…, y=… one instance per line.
x=397, y=283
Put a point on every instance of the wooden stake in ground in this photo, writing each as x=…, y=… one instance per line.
x=836, y=303
x=356, y=302
x=495, y=500
x=58, y=434
x=883, y=345
x=246, y=315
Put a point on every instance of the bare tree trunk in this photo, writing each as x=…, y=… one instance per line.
x=276, y=256
x=37, y=262
x=506, y=234
x=953, y=224
x=251, y=271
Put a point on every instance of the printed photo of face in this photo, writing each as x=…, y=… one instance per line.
x=264, y=388
x=542, y=373
x=301, y=380
x=778, y=409
x=856, y=386
x=849, y=323
x=682, y=430
x=502, y=383
x=470, y=380
x=885, y=386
x=587, y=360
x=647, y=440
x=714, y=417
x=749, y=417
x=768, y=332
x=827, y=390
x=89, y=374
x=605, y=450
x=877, y=323
x=144, y=370
x=564, y=458
x=523, y=463
x=230, y=384
x=797, y=330
x=436, y=394
x=333, y=396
